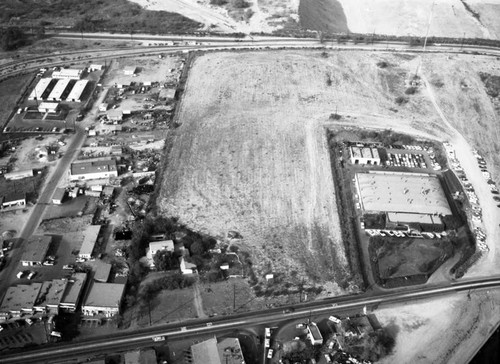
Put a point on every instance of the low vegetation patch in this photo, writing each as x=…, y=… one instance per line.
x=94, y=15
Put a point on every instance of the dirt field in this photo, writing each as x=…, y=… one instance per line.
x=266, y=13
x=251, y=157
x=10, y=91
x=450, y=18
x=220, y=178
x=460, y=322
x=411, y=256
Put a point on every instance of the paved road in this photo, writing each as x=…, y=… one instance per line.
x=45, y=198
x=143, y=337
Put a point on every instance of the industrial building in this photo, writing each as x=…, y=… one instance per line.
x=89, y=239
x=37, y=247
x=227, y=351
x=50, y=107
x=103, y=299
x=19, y=300
x=50, y=296
x=402, y=192
x=70, y=301
x=39, y=89
x=102, y=272
x=59, y=90
x=68, y=74
x=156, y=246
x=314, y=334
x=14, y=199
x=59, y=195
x=77, y=91
x=105, y=168
x=18, y=174
x=364, y=155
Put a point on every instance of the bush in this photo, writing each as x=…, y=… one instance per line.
x=240, y=4
x=218, y=2
x=382, y=64
x=411, y=90
x=12, y=38
x=401, y=100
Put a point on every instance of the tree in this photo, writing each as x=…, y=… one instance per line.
x=197, y=248
x=12, y=38
x=240, y=4
x=164, y=260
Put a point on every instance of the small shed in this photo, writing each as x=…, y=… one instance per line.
x=130, y=70
x=58, y=196
x=115, y=115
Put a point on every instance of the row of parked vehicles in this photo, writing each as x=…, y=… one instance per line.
x=406, y=234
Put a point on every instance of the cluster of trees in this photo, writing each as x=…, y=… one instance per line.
x=12, y=38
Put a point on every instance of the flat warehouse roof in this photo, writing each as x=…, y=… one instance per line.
x=107, y=165
x=106, y=295
x=36, y=249
x=48, y=105
x=59, y=89
x=40, y=88
x=74, y=289
x=402, y=192
x=20, y=297
x=89, y=239
x=77, y=90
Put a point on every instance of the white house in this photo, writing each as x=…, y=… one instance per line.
x=187, y=267
x=129, y=71
x=156, y=246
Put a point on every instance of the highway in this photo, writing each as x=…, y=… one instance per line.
x=143, y=337
x=129, y=340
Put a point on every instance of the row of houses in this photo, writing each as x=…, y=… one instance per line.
x=102, y=300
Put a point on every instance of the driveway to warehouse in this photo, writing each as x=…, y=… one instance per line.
x=48, y=189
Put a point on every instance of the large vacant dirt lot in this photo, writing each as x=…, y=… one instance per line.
x=250, y=155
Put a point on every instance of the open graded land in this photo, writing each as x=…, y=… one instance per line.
x=250, y=156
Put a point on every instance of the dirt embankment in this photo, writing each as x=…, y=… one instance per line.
x=323, y=15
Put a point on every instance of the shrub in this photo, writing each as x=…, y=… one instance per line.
x=411, y=90
x=382, y=64
x=401, y=100
x=218, y=2
x=240, y=4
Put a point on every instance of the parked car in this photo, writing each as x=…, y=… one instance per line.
x=31, y=275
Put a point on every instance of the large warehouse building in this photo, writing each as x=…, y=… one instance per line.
x=39, y=89
x=68, y=74
x=77, y=91
x=57, y=92
x=93, y=169
x=406, y=198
